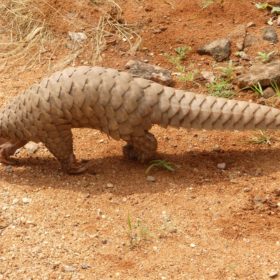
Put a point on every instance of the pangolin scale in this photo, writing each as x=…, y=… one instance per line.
x=120, y=105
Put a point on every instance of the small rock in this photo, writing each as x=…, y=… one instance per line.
x=247, y=189
x=242, y=55
x=110, y=185
x=273, y=274
x=219, y=49
x=268, y=92
x=69, y=268
x=31, y=147
x=192, y=245
x=85, y=266
x=238, y=35
x=216, y=148
x=104, y=241
x=26, y=200
x=208, y=76
x=269, y=34
x=221, y=165
x=250, y=40
x=151, y=179
x=9, y=169
x=149, y=72
x=77, y=37
x=15, y=201
x=250, y=24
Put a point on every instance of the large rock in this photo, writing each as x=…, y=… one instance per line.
x=260, y=73
x=219, y=49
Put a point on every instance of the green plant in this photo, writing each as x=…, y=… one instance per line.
x=176, y=60
x=228, y=71
x=275, y=87
x=265, y=57
x=160, y=163
x=188, y=76
x=181, y=54
x=262, y=5
x=257, y=88
x=265, y=5
x=136, y=232
x=206, y=3
x=220, y=88
x=261, y=138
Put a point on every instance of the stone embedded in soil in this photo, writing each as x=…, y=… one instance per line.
x=208, y=76
x=269, y=34
x=77, y=37
x=260, y=73
x=31, y=147
x=268, y=92
x=150, y=72
x=68, y=268
x=251, y=40
x=151, y=179
x=221, y=165
x=273, y=274
x=238, y=36
x=219, y=49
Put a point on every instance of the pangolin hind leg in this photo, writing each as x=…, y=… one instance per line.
x=60, y=144
x=141, y=148
x=8, y=148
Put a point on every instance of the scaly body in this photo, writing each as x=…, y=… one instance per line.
x=120, y=105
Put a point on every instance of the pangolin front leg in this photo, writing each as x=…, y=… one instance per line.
x=141, y=148
x=61, y=146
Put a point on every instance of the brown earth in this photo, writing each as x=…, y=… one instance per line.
x=199, y=222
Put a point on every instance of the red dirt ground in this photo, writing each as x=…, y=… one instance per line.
x=198, y=222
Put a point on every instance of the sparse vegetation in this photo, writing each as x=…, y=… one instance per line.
x=206, y=3
x=265, y=56
x=159, y=163
x=261, y=138
x=137, y=232
x=112, y=24
x=28, y=33
x=185, y=75
x=258, y=89
x=266, y=5
x=228, y=71
x=275, y=87
x=220, y=88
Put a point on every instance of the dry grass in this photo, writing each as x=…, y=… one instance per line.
x=112, y=25
x=26, y=34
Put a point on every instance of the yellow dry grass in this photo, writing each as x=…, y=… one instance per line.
x=25, y=34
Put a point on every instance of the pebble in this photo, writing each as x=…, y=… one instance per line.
x=110, y=185
x=85, y=266
x=69, y=268
x=26, y=200
x=269, y=34
x=31, y=147
x=77, y=37
x=15, y=201
x=273, y=274
x=151, y=179
x=221, y=165
x=192, y=245
x=247, y=189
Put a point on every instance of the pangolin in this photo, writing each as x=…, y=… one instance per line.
x=120, y=105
